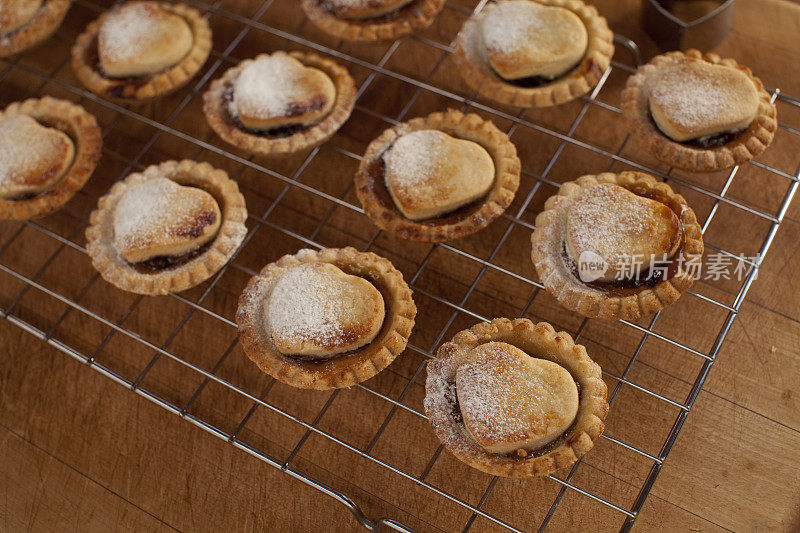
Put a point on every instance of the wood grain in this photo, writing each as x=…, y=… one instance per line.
x=83, y=452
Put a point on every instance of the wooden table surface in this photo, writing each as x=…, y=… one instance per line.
x=81, y=452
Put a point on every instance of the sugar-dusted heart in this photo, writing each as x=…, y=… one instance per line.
x=277, y=90
x=16, y=13
x=365, y=9
x=692, y=98
x=429, y=173
x=622, y=228
x=162, y=218
x=33, y=157
x=525, y=39
x=141, y=38
x=510, y=400
x=317, y=310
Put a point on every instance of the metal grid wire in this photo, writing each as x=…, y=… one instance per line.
x=458, y=307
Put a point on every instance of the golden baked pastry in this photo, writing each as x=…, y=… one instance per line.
x=33, y=157
x=325, y=319
x=278, y=91
x=26, y=23
x=160, y=218
x=318, y=311
x=48, y=150
x=140, y=38
x=365, y=9
x=616, y=245
x=616, y=224
x=524, y=39
x=17, y=13
x=167, y=228
x=279, y=104
x=371, y=20
x=440, y=177
x=513, y=398
x=141, y=50
x=697, y=112
x=429, y=173
x=534, y=53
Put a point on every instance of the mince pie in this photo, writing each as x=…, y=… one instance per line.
x=26, y=23
x=534, y=53
x=513, y=398
x=325, y=319
x=280, y=103
x=167, y=228
x=48, y=150
x=699, y=112
x=141, y=50
x=617, y=245
x=441, y=177
x=371, y=20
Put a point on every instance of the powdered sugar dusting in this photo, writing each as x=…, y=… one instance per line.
x=125, y=30
x=509, y=25
x=519, y=24
x=269, y=86
x=316, y=303
x=616, y=224
x=415, y=158
x=149, y=211
x=27, y=149
x=15, y=14
x=490, y=400
x=695, y=96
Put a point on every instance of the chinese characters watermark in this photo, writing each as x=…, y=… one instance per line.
x=717, y=266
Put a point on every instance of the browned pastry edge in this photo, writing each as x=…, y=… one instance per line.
x=82, y=128
x=747, y=145
x=421, y=14
x=218, y=117
x=344, y=370
x=38, y=29
x=463, y=126
x=571, y=292
x=538, y=340
x=145, y=88
x=474, y=66
x=107, y=260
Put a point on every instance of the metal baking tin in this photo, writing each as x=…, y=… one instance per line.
x=672, y=33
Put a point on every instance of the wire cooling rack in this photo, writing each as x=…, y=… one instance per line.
x=370, y=447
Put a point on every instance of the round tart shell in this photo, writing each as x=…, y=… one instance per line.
x=415, y=16
x=747, y=144
x=145, y=88
x=343, y=370
x=473, y=64
x=471, y=127
x=82, y=128
x=43, y=24
x=537, y=340
x=215, y=107
x=571, y=292
x=107, y=260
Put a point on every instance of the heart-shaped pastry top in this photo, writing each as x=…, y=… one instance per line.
x=429, y=173
x=510, y=400
x=14, y=14
x=277, y=90
x=141, y=38
x=625, y=230
x=159, y=218
x=33, y=157
x=524, y=38
x=691, y=98
x=365, y=9
x=317, y=310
